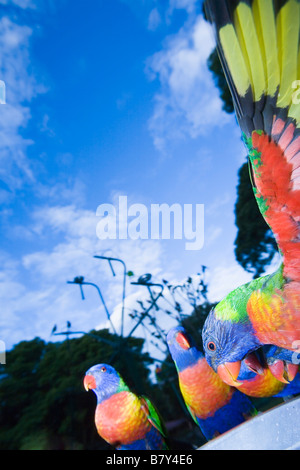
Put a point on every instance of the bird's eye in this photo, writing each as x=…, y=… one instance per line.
x=103, y=369
x=211, y=346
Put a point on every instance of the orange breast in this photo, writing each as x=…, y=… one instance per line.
x=265, y=385
x=120, y=419
x=203, y=390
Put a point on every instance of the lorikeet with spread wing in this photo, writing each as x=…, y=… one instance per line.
x=258, y=45
x=215, y=406
x=123, y=419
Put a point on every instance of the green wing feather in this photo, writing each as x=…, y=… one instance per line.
x=193, y=414
x=153, y=415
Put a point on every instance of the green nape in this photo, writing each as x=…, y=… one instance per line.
x=122, y=387
x=233, y=307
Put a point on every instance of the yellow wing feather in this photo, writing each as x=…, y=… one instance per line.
x=259, y=43
x=234, y=57
x=288, y=38
x=248, y=38
x=264, y=15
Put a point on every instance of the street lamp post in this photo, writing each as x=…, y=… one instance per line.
x=79, y=280
x=110, y=259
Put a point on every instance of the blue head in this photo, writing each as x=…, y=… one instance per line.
x=182, y=348
x=226, y=343
x=104, y=380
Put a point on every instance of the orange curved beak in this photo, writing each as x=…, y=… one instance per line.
x=182, y=341
x=284, y=371
x=89, y=382
x=229, y=372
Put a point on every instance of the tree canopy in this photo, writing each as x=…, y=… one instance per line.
x=43, y=404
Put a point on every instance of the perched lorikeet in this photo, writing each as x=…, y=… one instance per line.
x=123, y=419
x=214, y=406
x=258, y=45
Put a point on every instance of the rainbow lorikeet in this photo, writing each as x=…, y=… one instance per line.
x=258, y=45
x=214, y=406
x=123, y=419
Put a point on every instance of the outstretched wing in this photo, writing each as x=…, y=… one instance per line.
x=258, y=44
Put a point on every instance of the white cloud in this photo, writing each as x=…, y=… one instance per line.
x=188, y=5
x=213, y=233
x=20, y=3
x=217, y=204
x=15, y=60
x=188, y=102
x=21, y=87
x=225, y=278
x=154, y=19
x=70, y=188
x=34, y=288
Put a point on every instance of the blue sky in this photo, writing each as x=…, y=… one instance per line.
x=106, y=98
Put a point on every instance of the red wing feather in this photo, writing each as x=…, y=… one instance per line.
x=276, y=183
